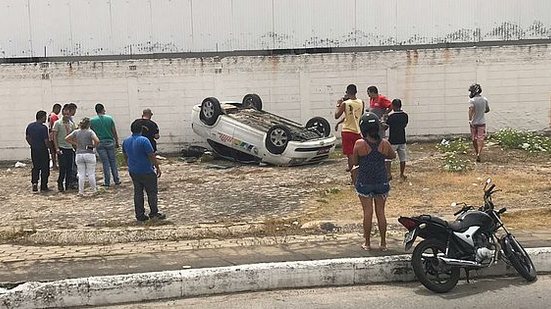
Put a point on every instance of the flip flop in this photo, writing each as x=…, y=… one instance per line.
x=366, y=248
x=383, y=248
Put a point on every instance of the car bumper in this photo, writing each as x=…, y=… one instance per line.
x=299, y=153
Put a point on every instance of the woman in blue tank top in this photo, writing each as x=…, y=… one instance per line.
x=370, y=176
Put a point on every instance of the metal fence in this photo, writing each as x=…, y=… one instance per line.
x=46, y=28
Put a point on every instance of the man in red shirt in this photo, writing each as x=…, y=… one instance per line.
x=378, y=104
x=52, y=118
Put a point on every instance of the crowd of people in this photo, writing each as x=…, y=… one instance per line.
x=72, y=151
x=370, y=152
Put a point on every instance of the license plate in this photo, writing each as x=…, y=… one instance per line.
x=324, y=150
x=409, y=236
x=408, y=239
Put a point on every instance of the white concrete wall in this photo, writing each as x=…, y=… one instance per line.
x=432, y=84
x=47, y=28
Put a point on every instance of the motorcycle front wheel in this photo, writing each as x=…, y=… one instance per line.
x=518, y=257
x=431, y=272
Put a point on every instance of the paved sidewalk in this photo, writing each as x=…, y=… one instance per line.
x=46, y=263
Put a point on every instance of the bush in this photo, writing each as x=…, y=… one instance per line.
x=451, y=150
x=516, y=139
x=458, y=145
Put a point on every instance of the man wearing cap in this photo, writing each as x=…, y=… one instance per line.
x=149, y=128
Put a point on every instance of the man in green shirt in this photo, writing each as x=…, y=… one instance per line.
x=104, y=127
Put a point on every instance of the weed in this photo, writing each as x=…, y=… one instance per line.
x=330, y=191
x=458, y=145
x=452, y=149
x=119, y=156
x=516, y=139
x=14, y=234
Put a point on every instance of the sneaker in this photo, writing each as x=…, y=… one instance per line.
x=118, y=183
x=60, y=187
x=45, y=189
x=35, y=188
x=158, y=216
x=142, y=219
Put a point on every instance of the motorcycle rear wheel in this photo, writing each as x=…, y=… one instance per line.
x=518, y=257
x=432, y=273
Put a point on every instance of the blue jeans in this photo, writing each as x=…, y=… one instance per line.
x=106, y=152
x=372, y=190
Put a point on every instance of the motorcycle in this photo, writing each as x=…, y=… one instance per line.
x=470, y=242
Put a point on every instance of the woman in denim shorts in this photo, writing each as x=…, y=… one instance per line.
x=370, y=175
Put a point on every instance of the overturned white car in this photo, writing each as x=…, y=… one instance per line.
x=243, y=131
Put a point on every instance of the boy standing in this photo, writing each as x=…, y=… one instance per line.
x=397, y=122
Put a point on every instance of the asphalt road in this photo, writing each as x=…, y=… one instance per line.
x=511, y=292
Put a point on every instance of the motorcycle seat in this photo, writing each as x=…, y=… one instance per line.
x=435, y=220
x=456, y=226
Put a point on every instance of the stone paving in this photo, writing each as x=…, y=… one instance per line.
x=19, y=263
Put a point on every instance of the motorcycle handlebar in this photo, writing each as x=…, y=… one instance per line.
x=489, y=191
x=465, y=208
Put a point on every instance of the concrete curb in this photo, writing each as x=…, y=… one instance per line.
x=195, y=282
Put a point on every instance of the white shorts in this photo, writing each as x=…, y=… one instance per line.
x=402, y=152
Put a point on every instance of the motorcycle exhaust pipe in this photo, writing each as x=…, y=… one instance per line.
x=460, y=263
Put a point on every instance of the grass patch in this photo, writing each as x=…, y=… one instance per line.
x=517, y=139
x=119, y=156
x=453, y=150
x=15, y=234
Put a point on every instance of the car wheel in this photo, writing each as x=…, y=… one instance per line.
x=252, y=100
x=210, y=110
x=320, y=125
x=277, y=139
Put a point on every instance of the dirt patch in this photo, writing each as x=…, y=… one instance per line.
x=523, y=178
x=283, y=198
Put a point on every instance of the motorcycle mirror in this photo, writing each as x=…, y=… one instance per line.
x=453, y=204
x=488, y=181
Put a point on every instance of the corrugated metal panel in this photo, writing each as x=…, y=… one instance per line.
x=15, y=39
x=212, y=28
x=172, y=34
x=93, y=27
x=252, y=24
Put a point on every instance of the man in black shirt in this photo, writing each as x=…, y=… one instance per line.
x=397, y=122
x=149, y=128
x=37, y=136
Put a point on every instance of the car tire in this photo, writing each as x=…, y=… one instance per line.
x=210, y=111
x=277, y=138
x=252, y=100
x=320, y=125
